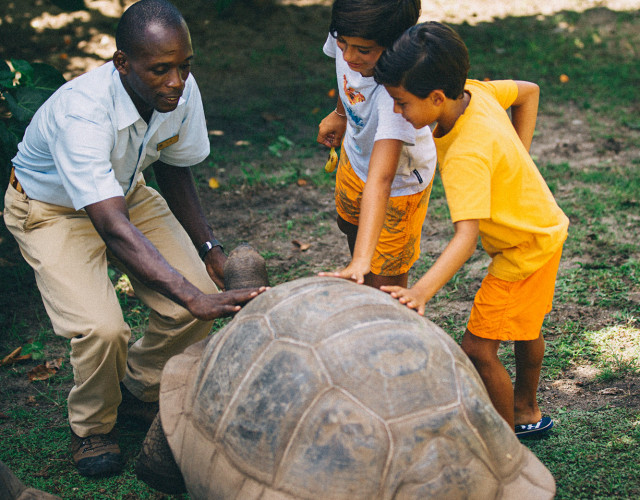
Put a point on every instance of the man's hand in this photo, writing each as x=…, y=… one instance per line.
x=406, y=296
x=219, y=305
x=214, y=262
x=142, y=259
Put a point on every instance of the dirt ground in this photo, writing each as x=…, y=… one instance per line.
x=271, y=219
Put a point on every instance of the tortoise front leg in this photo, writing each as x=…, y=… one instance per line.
x=155, y=464
x=11, y=488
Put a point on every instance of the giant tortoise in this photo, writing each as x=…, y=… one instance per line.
x=11, y=488
x=323, y=389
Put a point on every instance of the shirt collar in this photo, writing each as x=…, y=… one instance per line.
x=126, y=112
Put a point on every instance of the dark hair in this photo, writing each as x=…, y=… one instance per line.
x=133, y=23
x=425, y=58
x=379, y=20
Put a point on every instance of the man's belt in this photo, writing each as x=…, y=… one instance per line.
x=13, y=180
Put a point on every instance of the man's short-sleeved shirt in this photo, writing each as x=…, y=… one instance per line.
x=488, y=175
x=370, y=118
x=88, y=143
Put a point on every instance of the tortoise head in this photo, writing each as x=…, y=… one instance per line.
x=245, y=268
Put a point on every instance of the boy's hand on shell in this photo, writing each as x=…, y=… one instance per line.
x=405, y=296
x=346, y=274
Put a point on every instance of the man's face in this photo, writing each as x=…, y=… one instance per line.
x=154, y=74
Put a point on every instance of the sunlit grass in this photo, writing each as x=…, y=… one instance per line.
x=618, y=350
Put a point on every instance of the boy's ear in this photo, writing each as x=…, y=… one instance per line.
x=437, y=97
x=121, y=62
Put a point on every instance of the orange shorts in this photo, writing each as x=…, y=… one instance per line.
x=514, y=310
x=399, y=243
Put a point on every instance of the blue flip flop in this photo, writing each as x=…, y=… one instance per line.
x=540, y=427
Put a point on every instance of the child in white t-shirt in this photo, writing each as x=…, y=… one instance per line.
x=386, y=166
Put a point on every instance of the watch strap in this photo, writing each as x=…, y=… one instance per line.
x=208, y=245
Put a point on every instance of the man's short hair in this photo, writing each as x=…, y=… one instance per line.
x=380, y=20
x=425, y=58
x=136, y=18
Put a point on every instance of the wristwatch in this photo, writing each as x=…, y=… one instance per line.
x=208, y=245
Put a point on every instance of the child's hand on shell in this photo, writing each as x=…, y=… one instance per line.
x=406, y=296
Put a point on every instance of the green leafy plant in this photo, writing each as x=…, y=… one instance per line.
x=24, y=87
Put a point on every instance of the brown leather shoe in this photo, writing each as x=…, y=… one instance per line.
x=132, y=408
x=97, y=455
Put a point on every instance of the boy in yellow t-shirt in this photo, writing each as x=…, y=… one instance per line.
x=494, y=191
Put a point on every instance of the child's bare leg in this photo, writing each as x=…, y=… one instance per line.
x=529, y=354
x=350, y=230
x=484, y=356
x=371, y=279
x=376, y=281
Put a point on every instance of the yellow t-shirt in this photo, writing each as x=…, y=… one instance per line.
x=488, y=175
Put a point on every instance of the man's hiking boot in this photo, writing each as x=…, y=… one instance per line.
x=97, y=455
x=133, y=408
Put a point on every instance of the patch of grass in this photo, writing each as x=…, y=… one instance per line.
x=593, y=454
x=568, y=347
x=614, y=350
x=600, y=284
x=46, y=463
x=600, y=61
x=618, y=350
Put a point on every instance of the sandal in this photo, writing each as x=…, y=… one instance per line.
x=529, y=430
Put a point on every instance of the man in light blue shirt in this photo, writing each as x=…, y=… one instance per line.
x=77, y=197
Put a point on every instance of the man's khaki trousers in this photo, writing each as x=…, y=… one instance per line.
x=70, y=263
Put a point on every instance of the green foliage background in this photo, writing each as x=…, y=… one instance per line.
x=24, y=87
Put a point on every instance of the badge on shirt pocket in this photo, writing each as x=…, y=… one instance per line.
x=168, y=142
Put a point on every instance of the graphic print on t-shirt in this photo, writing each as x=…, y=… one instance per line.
x=353, y=95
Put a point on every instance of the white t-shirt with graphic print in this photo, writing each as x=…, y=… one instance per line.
x=370, y=118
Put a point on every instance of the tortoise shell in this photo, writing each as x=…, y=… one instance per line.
x=323, y=389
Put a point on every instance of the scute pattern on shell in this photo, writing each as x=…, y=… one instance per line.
x=320, y=388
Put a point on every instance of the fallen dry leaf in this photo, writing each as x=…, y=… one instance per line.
x=14, y=357
x=55, y=364
x=46, y=371
x=40, y=372
x=302, y=246
x=301, y=182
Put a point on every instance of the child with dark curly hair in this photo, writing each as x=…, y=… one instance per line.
x=386, y=167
